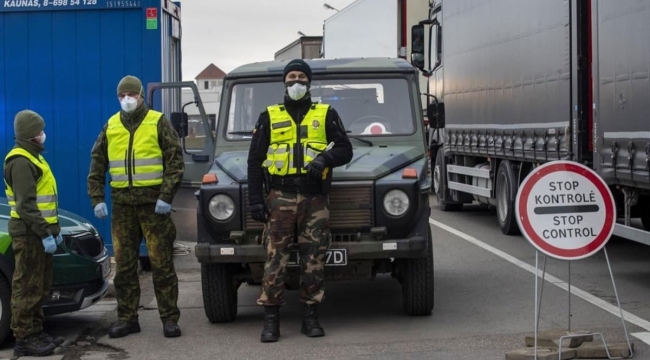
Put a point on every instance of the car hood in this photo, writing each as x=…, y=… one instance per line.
x=70, y=223
x=368, y=163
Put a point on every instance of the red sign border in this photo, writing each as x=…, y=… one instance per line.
x=524, y=220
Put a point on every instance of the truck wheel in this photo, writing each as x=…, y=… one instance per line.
x=506, y=193
x=645, y=220
x=5, y=308
x=219, y=292
x=417, y=283
x=439, y=187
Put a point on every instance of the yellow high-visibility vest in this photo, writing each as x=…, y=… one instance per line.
x=280, y=155
x=46, y=192
x=134, y=160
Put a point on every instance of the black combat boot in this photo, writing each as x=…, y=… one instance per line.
x=56, y=340
x=33, y=346
x=171, y=328
x=121, y=329
x=271, y=331
x=310, y=325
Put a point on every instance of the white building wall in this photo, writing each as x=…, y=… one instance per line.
x=416, y=11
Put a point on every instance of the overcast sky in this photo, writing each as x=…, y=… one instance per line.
x=230, y=33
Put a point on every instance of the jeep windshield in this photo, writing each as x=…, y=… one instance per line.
x=368, y=107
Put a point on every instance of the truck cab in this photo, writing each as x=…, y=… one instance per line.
x=379, y=202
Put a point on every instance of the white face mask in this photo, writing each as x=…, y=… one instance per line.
x=297, y=91
x=129, y=104
x=40, y=139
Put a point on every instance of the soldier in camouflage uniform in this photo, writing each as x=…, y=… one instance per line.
x=141, y=151
x=34, y=228
x=290, y=149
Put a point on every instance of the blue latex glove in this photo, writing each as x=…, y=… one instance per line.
x=101, y=211
x=162, y=207
x=49, y=244
x=59, y=239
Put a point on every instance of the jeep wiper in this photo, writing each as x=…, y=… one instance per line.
x=240, y=133
x=359, y=138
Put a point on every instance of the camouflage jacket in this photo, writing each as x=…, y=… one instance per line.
x=21, y=174
x=173, y=163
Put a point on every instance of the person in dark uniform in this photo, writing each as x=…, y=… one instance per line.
x=141, y=151
x=294, y=147
x=34, y=228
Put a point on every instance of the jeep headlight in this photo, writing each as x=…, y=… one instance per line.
x=396, y=202
x=221, y=207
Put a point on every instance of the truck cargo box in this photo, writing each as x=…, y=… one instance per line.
x=622, y=92
x=507, y=83
x=64, y=59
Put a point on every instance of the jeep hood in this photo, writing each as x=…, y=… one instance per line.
x=368, y=163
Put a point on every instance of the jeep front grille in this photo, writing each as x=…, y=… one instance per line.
x=350, y=208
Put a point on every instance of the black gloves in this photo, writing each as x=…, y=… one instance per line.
x=315, y=169
x=259, y=212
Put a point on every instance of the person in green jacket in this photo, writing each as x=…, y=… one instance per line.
x=31, y=191
x=141, y=151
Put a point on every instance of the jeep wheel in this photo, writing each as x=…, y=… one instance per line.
x=219, y=292
x=417, y=283
x=5, y=310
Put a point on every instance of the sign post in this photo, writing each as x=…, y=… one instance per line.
x=566, y=211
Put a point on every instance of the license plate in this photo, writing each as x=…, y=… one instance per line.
x=333, y=257
x=106, y=268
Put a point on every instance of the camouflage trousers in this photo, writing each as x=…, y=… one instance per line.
x=129, y=224
x=30, y=286
x=308, y=217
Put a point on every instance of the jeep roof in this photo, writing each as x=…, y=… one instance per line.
x=325, y=66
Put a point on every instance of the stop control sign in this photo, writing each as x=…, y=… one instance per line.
x=565, y=210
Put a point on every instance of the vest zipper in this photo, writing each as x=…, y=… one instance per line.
x=126, y=162
x=298, y=158
x=129, y=150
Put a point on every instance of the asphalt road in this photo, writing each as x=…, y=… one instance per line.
x=484, y=306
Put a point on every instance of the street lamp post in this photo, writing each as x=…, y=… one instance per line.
x=330, y=7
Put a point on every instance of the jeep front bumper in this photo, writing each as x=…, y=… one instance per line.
x=412, y=247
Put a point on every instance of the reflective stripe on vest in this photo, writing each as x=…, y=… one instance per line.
x=47, y=199
x=134, y=160
x=284, y=138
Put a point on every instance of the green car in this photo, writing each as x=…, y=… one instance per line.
x=81, y=268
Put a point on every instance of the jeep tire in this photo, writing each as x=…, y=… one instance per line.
x=417, y=283
x=5, y=309
x=219, y=292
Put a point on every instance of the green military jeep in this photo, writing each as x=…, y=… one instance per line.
x=379, y=202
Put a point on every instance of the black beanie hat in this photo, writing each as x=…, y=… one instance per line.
x=297, y=65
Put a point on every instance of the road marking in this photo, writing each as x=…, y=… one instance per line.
x=629, y=317
x=643, y=336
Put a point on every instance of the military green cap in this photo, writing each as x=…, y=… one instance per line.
x=28, y=124
x=130, y=83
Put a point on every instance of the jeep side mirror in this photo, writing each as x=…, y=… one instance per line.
x=417, y=46
x=436, y=114
x=179, y=121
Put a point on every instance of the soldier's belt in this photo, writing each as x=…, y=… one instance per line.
x=290, y=181
x=297, y=184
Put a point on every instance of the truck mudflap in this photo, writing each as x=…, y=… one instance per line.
x=414, y=246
